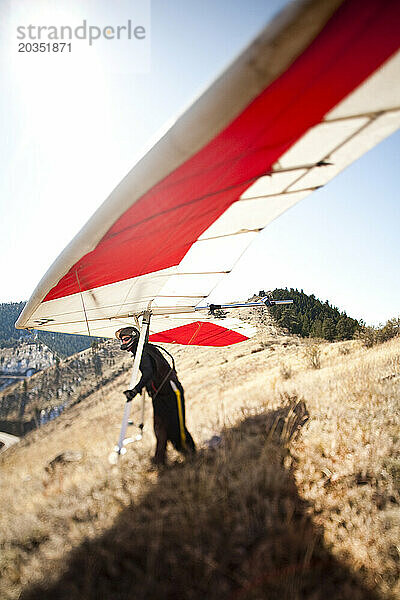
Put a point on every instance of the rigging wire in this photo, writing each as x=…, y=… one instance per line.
x=83, y=304
x=98, y=382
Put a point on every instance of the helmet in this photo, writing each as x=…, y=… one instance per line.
x=128, y=336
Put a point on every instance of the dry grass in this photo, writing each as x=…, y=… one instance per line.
x=312, y=354
x=259, y=517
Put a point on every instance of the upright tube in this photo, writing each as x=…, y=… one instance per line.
x=135, y=371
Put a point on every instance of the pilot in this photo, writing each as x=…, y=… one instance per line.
x=163, y=386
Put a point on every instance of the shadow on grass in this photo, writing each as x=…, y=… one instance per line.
x=227, y=524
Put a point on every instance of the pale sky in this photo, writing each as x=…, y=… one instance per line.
x=72, y=126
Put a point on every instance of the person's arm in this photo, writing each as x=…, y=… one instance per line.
x=147, y=370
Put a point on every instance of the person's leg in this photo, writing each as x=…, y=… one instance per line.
x=190, y=445
x=181, y=438
x=160, y=430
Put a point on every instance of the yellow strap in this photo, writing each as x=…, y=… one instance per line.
x=180, y=413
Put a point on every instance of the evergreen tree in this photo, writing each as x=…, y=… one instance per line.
x=316, y=329
x=97, y=365
x=345, y=328
x=328, y=329
x=305, y=329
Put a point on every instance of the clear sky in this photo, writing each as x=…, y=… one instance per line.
x=71, y=129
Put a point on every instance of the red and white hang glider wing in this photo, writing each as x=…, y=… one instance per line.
x=318, y=88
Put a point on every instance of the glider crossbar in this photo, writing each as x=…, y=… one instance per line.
x=265, y=301
x=178, y=310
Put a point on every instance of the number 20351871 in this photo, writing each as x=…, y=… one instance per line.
x=45, y=47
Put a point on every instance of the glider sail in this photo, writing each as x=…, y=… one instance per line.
x=318, y=88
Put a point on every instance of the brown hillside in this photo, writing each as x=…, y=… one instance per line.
x=301, y=499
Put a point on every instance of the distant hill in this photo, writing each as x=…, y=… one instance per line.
x=62, y=343
x=310, y=317
x=31, y=402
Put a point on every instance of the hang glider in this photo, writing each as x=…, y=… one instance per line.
x=318, y=88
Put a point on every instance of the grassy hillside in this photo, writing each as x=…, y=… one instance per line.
x=300, y=500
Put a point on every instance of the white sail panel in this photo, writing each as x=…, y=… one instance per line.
x=320, y=141
x=272, y=184
x=379, y=93
x=378, y=129
x=252, y=214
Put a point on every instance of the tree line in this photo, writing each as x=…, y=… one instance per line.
x=310, y=317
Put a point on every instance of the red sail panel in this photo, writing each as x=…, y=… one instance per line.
x=199, y=333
